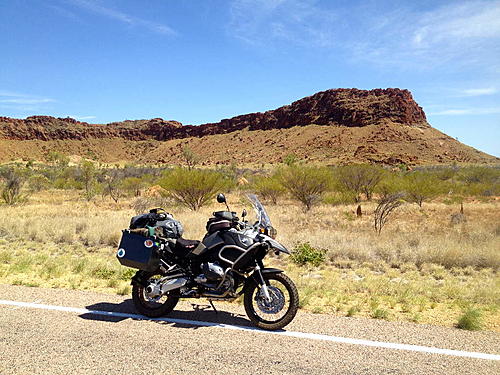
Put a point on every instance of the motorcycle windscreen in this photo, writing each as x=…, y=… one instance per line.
x=260, y=211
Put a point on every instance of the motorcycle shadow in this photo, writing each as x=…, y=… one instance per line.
x=112, y=312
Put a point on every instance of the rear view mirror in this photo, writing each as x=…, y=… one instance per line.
x=221, y=198
x=244, y=213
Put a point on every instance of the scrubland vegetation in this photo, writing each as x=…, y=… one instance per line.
x=436, y=260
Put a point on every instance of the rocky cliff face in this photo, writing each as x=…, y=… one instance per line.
x=340, y=107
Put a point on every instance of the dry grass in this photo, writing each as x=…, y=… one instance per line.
x=421, y=268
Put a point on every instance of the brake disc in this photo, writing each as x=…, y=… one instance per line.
x=275, y=305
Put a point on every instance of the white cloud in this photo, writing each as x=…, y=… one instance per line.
x=460, y=34
x=82, y=118
x=479, y=92
x=22, y=102
x=26, y=101
x=95, y=7
x=467, y=111
x=301, y=22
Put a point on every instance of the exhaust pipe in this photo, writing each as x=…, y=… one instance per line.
x=173, y=284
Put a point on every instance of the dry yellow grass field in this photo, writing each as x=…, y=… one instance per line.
x=421, y=268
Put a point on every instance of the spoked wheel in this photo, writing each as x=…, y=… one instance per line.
x=149, y=303
x=282, y=307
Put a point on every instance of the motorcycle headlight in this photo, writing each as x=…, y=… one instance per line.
x=272, y=232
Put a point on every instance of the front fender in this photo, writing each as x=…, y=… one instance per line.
x=271, y=270
x=254, y=280
x=275, y=244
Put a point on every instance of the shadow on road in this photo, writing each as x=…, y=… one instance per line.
x=200, y=312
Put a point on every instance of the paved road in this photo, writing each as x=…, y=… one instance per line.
x=44, y=341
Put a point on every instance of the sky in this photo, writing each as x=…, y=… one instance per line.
x=199, y=61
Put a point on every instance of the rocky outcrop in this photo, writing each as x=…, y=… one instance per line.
x=339, y=107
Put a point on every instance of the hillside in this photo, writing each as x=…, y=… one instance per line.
x=334, y=126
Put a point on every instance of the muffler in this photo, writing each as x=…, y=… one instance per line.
x=173, y=284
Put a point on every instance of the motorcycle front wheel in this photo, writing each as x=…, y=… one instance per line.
x=282, y=307
x=149, y=305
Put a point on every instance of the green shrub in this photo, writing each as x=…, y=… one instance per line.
x=392, y=183
x=420, y=186
x=38, y=182
x=269, y=188
x=88, y=177
x=339, y=198
x=359, y=179
x=304, y=254
x=470, y=320
x=133, y=185
x=306, y=184
x=12, y=181
x=471, y=175
x=380, y=314
x=193, y=188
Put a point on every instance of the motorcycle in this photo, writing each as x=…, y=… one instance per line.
x=226, y=264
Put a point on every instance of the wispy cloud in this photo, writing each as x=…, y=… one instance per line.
x=479, y=92
x=27, y=101
x=97, y=8
x=299, y=22
x=467, y=111
x=462, y=33
x=458, y=34
x=23, y=102
x=82, y=118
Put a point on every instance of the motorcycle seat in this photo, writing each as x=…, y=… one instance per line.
x=184, y=247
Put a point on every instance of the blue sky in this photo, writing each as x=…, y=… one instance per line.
x=199, y=61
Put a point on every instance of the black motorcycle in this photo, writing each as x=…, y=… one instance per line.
x=227, y=263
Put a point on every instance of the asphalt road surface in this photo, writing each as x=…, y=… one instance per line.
x=54, y=332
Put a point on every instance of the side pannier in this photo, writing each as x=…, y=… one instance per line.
x=137, y=251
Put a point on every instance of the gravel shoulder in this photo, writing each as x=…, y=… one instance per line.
x=36, y=341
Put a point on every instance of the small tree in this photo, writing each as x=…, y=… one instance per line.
x=307, y=184
x=133, y=185
x=112, y=184
x=193, y=188
x=291, y=159
x=359, y=179
x=13, y=181
x=384, y=209
x=268, y=188
x=420, y=187
x=392, y=183
x=38, y=182
x=88, y=177
x=190, y=157
x=57, y=159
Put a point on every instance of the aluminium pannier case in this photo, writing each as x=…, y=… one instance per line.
x=137, y=251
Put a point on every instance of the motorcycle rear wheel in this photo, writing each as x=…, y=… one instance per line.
x=280, y=311
x=151, y=307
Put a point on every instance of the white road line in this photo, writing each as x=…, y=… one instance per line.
x=303, y=335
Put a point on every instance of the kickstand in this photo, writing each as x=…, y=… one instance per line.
x=213, y=307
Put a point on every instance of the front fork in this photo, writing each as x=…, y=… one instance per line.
x=262, y=281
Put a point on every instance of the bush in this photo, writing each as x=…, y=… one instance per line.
x=470, y=320
x=359, y=179
x=339, y=198
x=13, y=181
x=421, y=186
x=305, y=183
x=269, y=188
x=304, y=254
x=391, y=184
x=88, y=178
x=133, y=185
x=38, y=182
x=193, y=188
